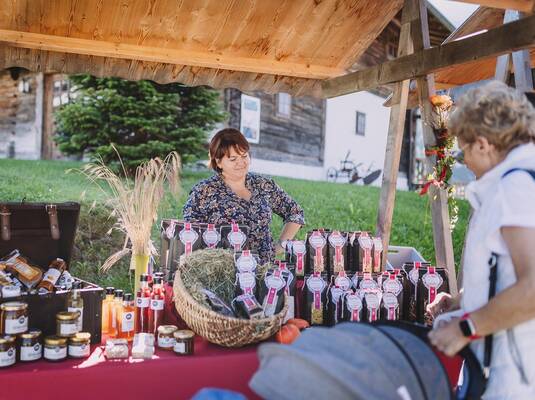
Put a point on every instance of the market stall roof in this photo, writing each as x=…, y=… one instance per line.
x=482, y=19
x=274, y=46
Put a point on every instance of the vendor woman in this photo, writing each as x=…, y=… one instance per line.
x=233, y=194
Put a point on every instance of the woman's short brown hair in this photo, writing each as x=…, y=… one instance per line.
x=497, y=112
x=221, y=144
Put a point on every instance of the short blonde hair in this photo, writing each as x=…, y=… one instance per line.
x=497, y=112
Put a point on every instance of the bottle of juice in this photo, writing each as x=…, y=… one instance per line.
x=156, y=305
x=126, y=317
x=106, y=308
x=76, y=303
x=115, y=307
x=143, y=305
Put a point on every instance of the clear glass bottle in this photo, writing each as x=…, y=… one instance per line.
x=106, y=304
x=75, y=302
x=126, y=318
x=143, y=297
x=157, y=303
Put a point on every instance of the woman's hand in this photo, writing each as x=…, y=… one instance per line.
x=444, y=302
x=279, y=250
x=448, y=337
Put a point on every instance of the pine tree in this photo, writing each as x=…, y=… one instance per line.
x=141, y=118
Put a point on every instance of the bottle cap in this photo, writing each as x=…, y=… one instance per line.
x=119, y=293
x=110, y=290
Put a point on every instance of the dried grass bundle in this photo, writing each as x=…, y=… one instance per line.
x=212, y=269
x=135, y=203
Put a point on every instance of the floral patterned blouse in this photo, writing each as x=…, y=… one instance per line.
x=212, y=201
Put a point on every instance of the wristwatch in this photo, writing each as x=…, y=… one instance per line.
x=468, y=328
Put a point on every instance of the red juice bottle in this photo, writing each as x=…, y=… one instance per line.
x=156, y=305
x=143, y=305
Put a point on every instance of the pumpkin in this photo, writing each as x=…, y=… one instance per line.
x=287, y=334
x=300, y=323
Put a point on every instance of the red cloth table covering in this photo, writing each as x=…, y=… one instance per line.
x=166, y=376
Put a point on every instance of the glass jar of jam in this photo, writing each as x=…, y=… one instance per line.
x=79, y=345
x=183, y=342
x=55, y=348
x=166, y=339
x=67, y=323
x=8, y=351
x=13, y=317
x=30, y=348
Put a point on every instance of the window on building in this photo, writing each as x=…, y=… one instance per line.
x=62, y=90
x=24, y=85
x=284, y=104
x=391, y=50
x=361, y=123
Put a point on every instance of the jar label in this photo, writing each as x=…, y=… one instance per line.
x=179, y=347
x=166, y=342
x=31, y=353
x=142, y=302
x=81, y=350
x=16, y=326
x=10, y=291
x=52, y=275
x=68, y=329
x=128, y=322
x=55, y=353
x=156, y=305
x=8, y=357
x=80, y=320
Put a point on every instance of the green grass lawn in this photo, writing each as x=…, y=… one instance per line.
x=329, y=205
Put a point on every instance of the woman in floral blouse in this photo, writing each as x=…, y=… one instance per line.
x=234, y=194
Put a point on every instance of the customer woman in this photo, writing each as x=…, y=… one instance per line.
x=235, y=194
x=495, y=128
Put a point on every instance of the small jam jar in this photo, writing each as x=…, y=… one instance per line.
x=79, y=345
x=183, y=342
x=30, y=348
x=55, y=348
x=67, y=323
x=166, y=340
x=13, y=317
x=8, y=351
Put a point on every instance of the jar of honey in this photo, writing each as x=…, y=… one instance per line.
x=8, y=351
x=13, y=317
x=166, y=339
x=55, y=348
x=79, y=345
x=67, y=323
x=183, y=342
x=30, y=348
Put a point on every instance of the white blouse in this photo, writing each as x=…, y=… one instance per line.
x=499, y=202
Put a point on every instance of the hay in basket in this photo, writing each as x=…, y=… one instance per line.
x=213, y=269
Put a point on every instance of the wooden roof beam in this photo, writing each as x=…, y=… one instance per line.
x=503, y=39
x=519, y=5
x=230, y=62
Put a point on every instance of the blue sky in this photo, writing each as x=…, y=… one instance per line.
x=454, y=11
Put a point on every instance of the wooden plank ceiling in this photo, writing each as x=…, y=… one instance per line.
x=270, y=45
x=482, y=19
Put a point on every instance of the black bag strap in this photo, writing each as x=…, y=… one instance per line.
x=493, y=278
x=529, y=171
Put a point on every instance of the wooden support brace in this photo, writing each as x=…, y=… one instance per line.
x=394, y=140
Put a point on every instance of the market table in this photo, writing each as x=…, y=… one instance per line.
x=166, y=376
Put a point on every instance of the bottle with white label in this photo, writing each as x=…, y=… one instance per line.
x=143, y=296
x=157, y=304
x=51, y=277
x=55, y=348
x=75, y=303
x=30, y=346
x=125, y=318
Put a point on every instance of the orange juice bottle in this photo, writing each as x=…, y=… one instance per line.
x=106, y=309
x=126, y=317
x=115, y=306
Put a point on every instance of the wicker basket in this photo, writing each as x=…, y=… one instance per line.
x=220, y=329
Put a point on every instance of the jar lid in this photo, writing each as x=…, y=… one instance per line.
x=67, y=315
x=14, y=306
x=167, y=329
x=55, y=340
x=7, y=339
x=80, y=337
x=31, y=334
x=184, y=334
